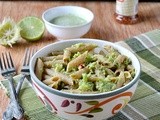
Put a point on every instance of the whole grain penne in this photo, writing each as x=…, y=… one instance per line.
x=130, y=67
x=49, y=72
x=109, y=71
x=49, y=64
x=78, y=74
x=120, y=59
x=102, y=59
x=51, y=80
x=39, y=68
x=93, y=78
x=59, y=57
x=51, y=58
x=54, y=84
x=117, y=71
x=66, y=79
x=121, y=80
x=77, y=61
x=48, y=58
x=126, y=82
x=55, y=53
x=127, y=75
x=113, y=79
x=66, y=56
x=46, y=76
x=110, y=49
x=81, y=47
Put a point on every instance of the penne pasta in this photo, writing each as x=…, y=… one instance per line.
x=55, y=53
x=66, y=79
x=119, y=60
x=39, y=68
x=66, y=57
x=109, y=71
x=130, y=68
x=46, y=76
x=51, y=80
x=48, y=58
x=127, y=75
x=82, y=69
x=78, y=74
x=54, y=85
x=81, y=47
x=110, y=49
x=49, y=64
x=51, y=58
x=118, y=70
x=93, y=78
x=121, y=80
x=77, y=61
x=102, y=59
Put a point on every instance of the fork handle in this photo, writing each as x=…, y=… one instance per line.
x=13, y=111
x=13, y=94
x=19, y=85
x=17, y=109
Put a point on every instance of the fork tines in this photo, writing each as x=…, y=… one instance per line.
x=28, y=54
x=6, y=63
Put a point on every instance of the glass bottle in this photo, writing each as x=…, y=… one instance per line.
x=126, y=11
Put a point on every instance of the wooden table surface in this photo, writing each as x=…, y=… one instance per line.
x=104, y=26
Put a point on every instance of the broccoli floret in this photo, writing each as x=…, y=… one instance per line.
x=104, y=86
x=76, y=55
x=90, y=58
x=84, y=84
x=58, y=67
x=92, y=65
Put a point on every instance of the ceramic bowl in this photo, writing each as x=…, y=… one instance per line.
x=69, y=31
x=84, y=106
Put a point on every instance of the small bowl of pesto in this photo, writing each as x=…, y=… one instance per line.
x=68, y=22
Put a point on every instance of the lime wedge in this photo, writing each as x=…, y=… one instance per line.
x=9, y=32
x=32, y=28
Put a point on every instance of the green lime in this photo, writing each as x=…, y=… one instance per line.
x=32, y=28
x=9, y=32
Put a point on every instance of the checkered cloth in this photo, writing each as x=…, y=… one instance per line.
x=145, y=104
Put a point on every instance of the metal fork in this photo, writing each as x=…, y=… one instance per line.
x=14, y=110
x=25, y=68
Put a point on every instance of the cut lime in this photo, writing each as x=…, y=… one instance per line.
x=9, y=32
x=32, y=28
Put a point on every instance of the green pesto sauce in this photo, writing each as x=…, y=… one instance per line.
x=68, y=20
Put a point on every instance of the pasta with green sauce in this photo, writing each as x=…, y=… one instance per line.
x=79, y=69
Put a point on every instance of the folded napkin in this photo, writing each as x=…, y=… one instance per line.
x=145, y=103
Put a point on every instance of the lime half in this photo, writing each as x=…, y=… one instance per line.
x=32, y=28
x=9, y=32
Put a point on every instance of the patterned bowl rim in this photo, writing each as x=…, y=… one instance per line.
x=84, y=96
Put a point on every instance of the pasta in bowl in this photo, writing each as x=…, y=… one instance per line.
x=80, y=69
x=79, y=79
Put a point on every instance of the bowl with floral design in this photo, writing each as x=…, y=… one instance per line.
x=88, y=106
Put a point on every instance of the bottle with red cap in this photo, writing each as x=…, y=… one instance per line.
x=126, y=11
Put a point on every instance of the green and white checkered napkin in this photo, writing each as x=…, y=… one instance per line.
x=145, y=104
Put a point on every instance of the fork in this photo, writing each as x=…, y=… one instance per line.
x=25, y=68
x=14, y=110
